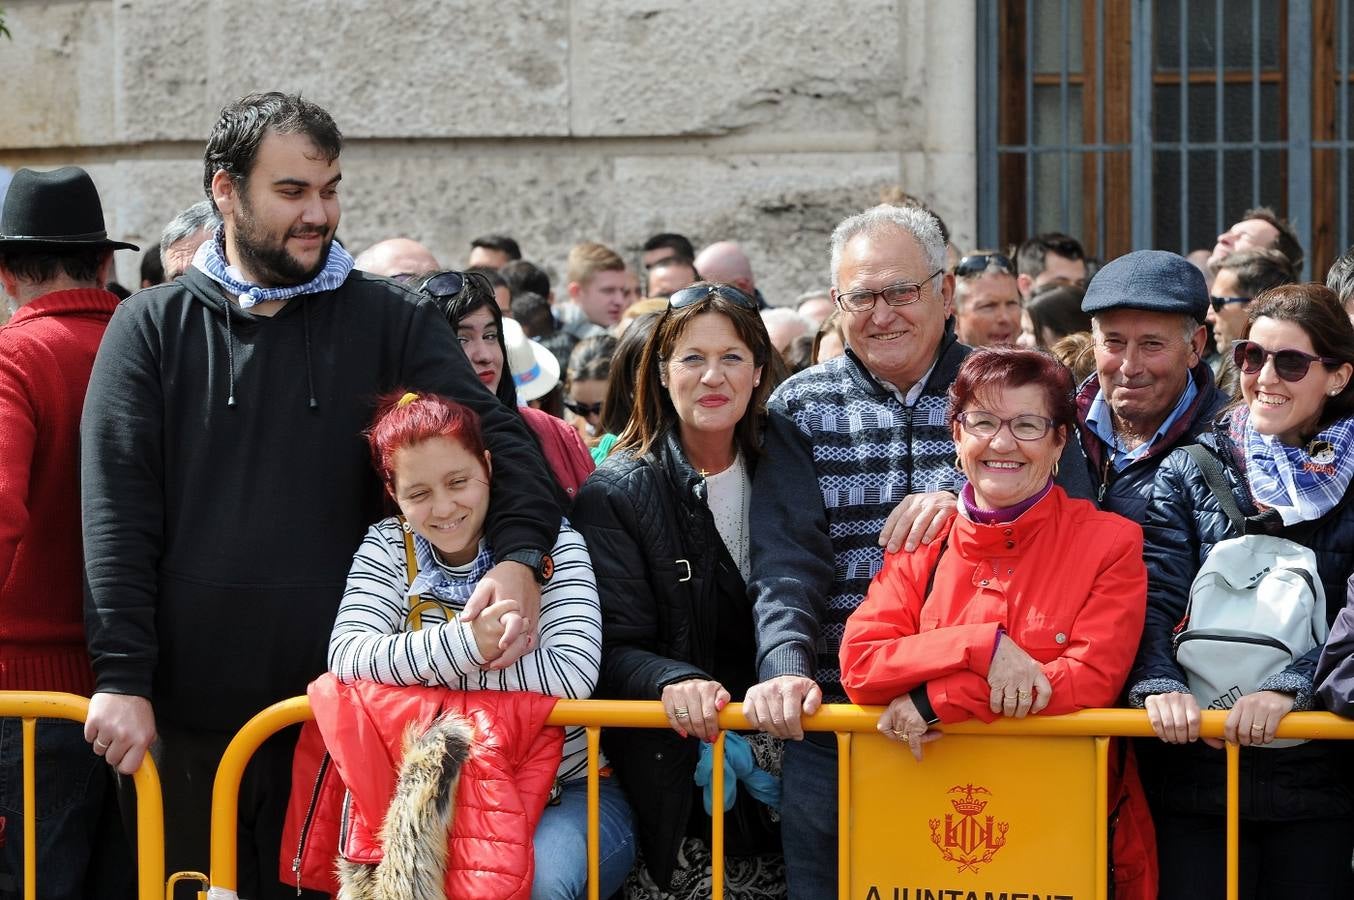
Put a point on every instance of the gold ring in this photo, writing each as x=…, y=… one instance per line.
x=1023, y=695
x=681, y=712
x=101, y=745
x=1257, y=729
x=897, y=733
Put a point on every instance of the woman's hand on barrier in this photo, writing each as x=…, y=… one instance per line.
x=917, y=520
x=1019, y=685
x=1255, y=717
x=1175, y=718
x=491, y=624
x=121, y=727
x=901, y=722
x=777, y=704
x=693, y=706
x=509, y=581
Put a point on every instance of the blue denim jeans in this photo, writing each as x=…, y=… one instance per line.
x=808, y=818
x=561, y=842
x=81, y=848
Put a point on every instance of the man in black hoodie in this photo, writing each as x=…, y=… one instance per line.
x=225, y=482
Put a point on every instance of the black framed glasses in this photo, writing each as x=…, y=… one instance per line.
x=979, y=263
x=904, y=293
x=1219, y=302
x=1289, y=364
x=696, y=293
x=983, y=424
x=583, y=410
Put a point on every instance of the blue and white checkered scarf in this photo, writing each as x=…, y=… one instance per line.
x=211, y=259
x=1302, y=483
x=435, y=581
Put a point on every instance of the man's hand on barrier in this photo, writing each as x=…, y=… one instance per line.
x=509, y=581
x=917, y=520
x=903, y=723
x=1255, y=717
x=1175, y=718
x=121, y=727
x=693, y=706
x=776, y=705
x=1019, y=685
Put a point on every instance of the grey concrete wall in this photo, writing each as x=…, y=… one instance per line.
x=764, y=121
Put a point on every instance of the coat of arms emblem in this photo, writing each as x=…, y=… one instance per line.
x=968, y=839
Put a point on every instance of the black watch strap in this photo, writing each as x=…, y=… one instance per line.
x=542, y=565
x=923, y=704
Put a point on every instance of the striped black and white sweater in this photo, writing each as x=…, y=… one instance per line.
x=841, y=451
x=371, y=638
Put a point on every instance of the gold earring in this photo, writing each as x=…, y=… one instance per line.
x=1055, y=468
x=958, y=464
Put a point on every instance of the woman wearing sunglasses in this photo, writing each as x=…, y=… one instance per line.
x=666, y=519
x=468, y=302
x=1287, y=451
x=995, y=617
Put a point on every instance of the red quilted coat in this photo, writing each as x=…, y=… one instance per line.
x=503, y=788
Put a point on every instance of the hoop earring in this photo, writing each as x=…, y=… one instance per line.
x=958, y=464
x=1055, y=468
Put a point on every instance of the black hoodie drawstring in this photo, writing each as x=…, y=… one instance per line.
x=230, y=352
x=310, y=375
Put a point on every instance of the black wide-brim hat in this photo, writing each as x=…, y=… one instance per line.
x=52, y=210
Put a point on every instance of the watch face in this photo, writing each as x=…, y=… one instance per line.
x=547, y=567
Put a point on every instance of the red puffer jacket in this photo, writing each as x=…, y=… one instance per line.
x=504, y=784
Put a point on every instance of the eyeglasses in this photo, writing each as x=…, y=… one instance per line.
x=904, y=293
x=1219, y=302
x=1290, y=365
x=982, y=424
x=981, y=262
x=695, y=294
x=583, y=410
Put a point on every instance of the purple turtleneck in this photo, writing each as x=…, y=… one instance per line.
x=1003, y=515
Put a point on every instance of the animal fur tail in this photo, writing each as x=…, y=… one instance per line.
x=414, y=835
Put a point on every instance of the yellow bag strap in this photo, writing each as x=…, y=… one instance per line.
x=414, y=618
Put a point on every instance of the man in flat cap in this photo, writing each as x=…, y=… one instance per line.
x=55, y=257
x=1151, y=391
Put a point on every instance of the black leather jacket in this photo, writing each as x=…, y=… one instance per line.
x=674, y=607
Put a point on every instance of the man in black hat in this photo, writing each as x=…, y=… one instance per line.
x=1152, y=391
x=226, y=483
x=55, y=257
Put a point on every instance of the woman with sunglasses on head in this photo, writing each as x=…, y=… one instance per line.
x=468, y=302
x=994, y=618
x=666, y=518
x=1286, y=452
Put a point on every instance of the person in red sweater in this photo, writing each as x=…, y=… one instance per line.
x=996, y=618
x=54, y=258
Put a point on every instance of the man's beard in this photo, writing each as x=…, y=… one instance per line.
x=268, y=259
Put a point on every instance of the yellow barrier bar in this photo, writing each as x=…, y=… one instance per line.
x=844, y=719
x=843, y=814
x=717, y=819
x=150, y=830
x=594, y=813
x=226, y=788
x=30, y=742
x=1233, y=820
x=1102, y=815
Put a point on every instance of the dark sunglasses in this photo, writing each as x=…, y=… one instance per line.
x=980, y=263
x=583, y=409
x=450, y=284
x=688, y=296
x=1290, y=365
x=1219, y=302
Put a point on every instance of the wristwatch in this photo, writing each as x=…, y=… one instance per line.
x=542, y=565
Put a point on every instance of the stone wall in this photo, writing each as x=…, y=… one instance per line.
x=765, y=121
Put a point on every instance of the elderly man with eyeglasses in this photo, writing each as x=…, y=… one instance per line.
x=847, y=442
x=1152, y=390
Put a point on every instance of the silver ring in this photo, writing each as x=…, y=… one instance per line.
x=101, y=745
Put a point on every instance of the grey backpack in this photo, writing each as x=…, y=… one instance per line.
x=1255, y=606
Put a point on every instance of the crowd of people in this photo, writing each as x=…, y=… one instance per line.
x=436, y=498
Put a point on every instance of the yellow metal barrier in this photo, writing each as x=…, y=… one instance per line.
x=845, y=720
x=150, y=830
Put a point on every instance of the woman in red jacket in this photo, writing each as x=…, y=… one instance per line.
x=998, y=618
